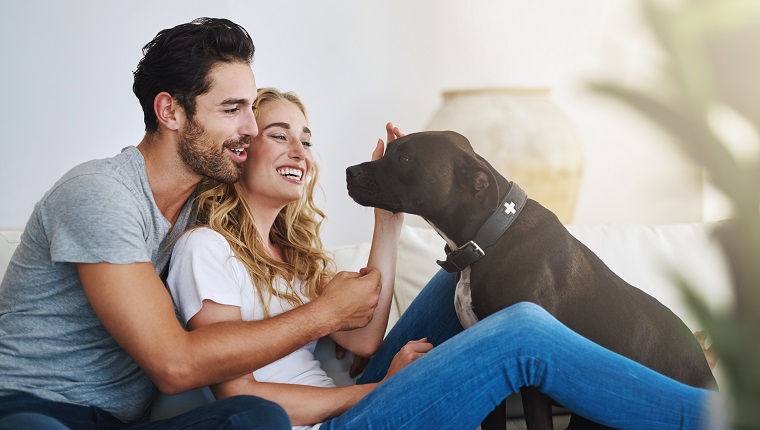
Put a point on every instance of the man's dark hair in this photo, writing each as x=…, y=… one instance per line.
x=178, y=60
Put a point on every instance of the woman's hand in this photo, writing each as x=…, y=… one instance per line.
x=358, y=364
x=410, y=352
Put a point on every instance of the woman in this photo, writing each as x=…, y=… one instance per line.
x=259, y=254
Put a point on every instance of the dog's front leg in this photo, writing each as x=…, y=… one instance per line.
x=497, y=419
x=537, y=408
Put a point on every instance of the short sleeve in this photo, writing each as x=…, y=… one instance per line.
x=95, y=218
x=203, y=267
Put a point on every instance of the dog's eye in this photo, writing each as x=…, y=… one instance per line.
x=402, y=159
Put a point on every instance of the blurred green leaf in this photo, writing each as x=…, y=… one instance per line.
x=711, y=59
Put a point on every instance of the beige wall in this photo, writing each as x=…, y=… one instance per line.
x=357, y=65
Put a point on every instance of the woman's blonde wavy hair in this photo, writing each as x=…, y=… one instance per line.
x=224, y=209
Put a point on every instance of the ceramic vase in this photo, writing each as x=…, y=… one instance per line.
x=524, y=135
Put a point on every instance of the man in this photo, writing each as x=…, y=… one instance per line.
x=87, y=327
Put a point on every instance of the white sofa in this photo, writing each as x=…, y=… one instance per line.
x=643, y=255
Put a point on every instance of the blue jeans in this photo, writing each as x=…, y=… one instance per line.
x=469, y=372
x=241, y=412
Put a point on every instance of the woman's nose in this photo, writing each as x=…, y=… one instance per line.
x=297, y=151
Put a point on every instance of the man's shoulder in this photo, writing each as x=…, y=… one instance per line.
x=104, y=178
x=127, y=165
x=114, y=187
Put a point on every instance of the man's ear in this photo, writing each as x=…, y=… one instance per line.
x=168, y=111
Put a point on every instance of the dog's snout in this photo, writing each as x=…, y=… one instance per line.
x=353, y=172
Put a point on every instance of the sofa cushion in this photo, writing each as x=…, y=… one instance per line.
x=645, y=256
x=648, y=257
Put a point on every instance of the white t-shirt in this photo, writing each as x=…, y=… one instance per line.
x=204, y=267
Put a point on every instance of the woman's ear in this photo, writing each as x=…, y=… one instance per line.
x=168, y=111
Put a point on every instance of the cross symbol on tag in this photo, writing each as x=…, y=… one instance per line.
x=509, y=208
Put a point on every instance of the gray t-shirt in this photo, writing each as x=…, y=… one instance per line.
x=52, y=344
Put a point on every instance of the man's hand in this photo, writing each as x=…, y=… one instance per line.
x=352, y=297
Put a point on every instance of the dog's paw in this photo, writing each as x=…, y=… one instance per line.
x=710, y=353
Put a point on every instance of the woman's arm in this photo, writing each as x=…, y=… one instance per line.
x=307, y=405
x=304, y=404
x=382, y=256
x=366, y=341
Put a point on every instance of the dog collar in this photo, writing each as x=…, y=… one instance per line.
x=462, y=257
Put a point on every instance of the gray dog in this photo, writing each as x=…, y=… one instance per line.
x=508, y=248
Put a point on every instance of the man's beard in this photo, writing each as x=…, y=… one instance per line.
x=207, y=159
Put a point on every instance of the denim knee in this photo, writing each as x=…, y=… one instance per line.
x=525, y=316
x=251, y=412
x=527, y=325
x=30, y=420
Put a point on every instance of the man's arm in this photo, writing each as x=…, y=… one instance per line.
x=137, y=310
x=304, y=404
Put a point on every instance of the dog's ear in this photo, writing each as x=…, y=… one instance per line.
x=476, y=176
x=480, y=180
x=485, y=185
x=492, y=191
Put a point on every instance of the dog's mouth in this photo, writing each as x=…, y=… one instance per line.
x=370, y=201
x=389, y=207
x=365, y=191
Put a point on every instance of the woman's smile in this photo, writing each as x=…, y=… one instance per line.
x=291, y=173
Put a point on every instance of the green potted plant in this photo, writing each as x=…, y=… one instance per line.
x=711, y=68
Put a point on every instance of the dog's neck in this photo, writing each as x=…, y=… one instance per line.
x=463, y=222
x=460, y=257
